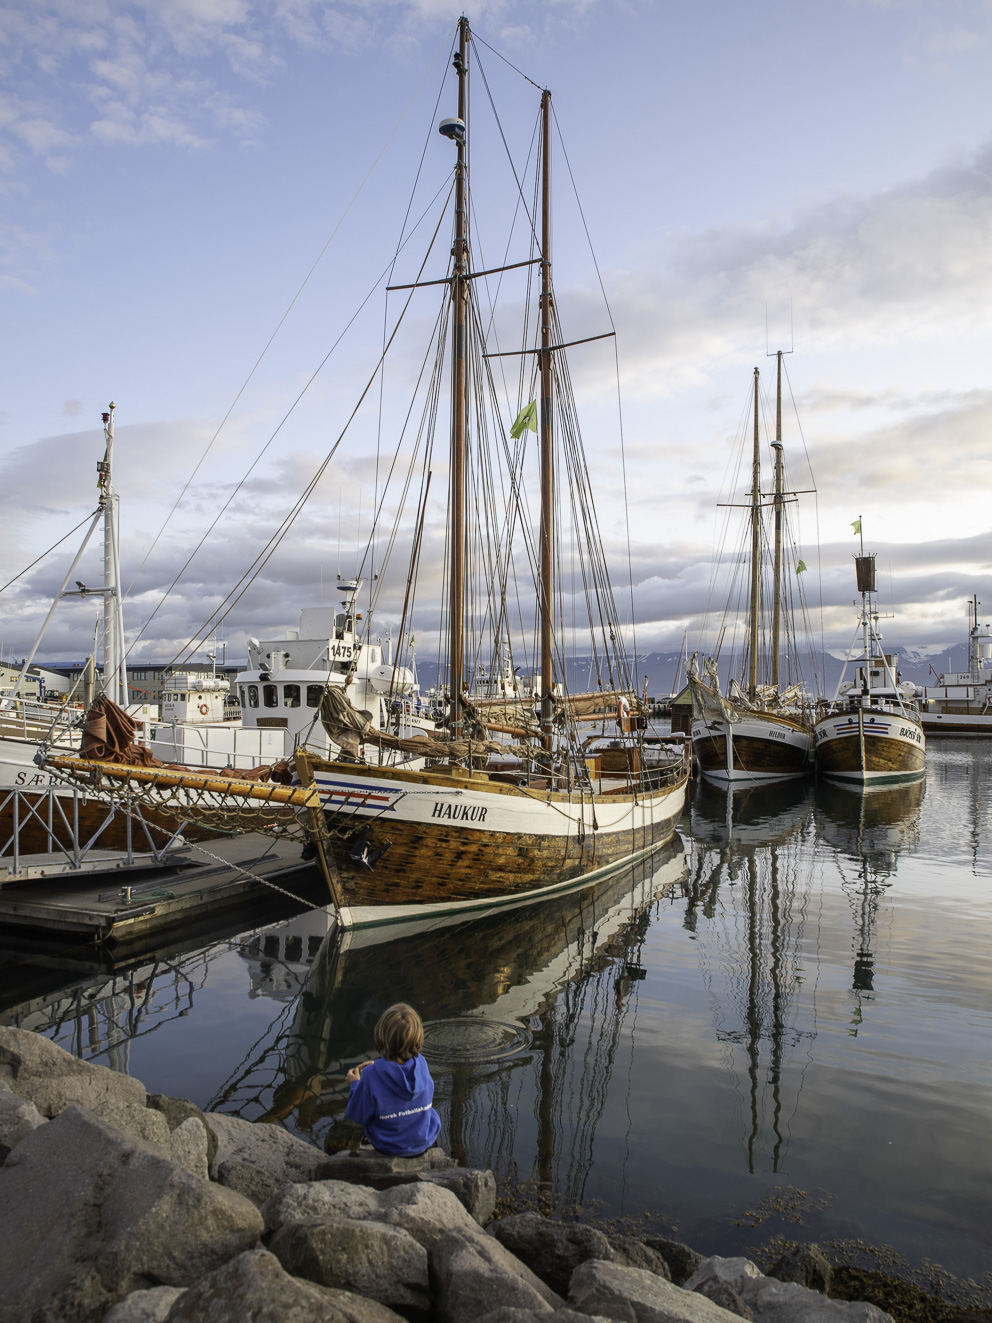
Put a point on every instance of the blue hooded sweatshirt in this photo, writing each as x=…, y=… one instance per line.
x=393, y=1103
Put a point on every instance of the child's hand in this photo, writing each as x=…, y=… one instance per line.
x=353, y=1075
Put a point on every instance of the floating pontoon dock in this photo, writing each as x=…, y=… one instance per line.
x=115, y=907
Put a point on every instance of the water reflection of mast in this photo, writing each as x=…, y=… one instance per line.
x=869, y=827
x=752, y=841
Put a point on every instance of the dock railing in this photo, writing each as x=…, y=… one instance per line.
x=50, y=818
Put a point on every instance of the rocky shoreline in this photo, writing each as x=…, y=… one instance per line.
x=126, y=1207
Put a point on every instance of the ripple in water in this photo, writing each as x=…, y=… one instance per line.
x=472, y=1039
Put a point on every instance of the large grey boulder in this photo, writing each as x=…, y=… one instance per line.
x=633, y=1295
x=552, y=1250
x=724, y=1295
x=787, y=1302
x=682, y=1261
x=473, y=1274
x=426, y=1211
x=188, y=1144
x=177, y=1111
x=135, y=1122
x=369, y=1167
x=507, y=1314
x=313, y=1199
x=151, y=1306
x=257, y=1159
x=51, y=1078
x=88, y=1216
x=18, y=1118
x=255, y=1288
x=382, y=1262
x=629, y=1252
x=511, y=1314
x=805, y=1264
x=733, y=1271
x=475, y=1190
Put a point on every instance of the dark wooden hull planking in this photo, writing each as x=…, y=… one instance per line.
x=429, y=865
x=884, y=757
x=751, y=754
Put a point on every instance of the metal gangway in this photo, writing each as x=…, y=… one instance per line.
x=58, y=831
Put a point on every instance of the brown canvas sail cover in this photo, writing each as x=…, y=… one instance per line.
x=108, y=737
x=600, y=705
x=349, y=727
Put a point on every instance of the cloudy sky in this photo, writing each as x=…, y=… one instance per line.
x=751, y=178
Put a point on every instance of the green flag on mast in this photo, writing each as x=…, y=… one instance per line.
x=856, y=525
x=801, y=567
x=526, y=418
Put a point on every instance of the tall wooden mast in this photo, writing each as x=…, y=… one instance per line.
x=752, y=661
x=546, y=438
x=777, y=595
x=459, y=393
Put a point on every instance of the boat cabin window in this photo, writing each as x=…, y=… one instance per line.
x=270, y=695
x=291, y=695
x=253, y=695
x=314, y=692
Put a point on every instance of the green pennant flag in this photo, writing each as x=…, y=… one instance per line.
x=856, y=525
x=526, y=418
x=801, y=567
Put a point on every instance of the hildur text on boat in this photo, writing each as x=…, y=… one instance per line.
x=510, y=798
x=871, y=732
x=762, y=728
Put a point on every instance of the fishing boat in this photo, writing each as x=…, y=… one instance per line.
x=516, y=796
x=960, y=703
x=757, y=731
x=42, y=810
x=871, y=732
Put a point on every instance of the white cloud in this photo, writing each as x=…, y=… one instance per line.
x=913, y=264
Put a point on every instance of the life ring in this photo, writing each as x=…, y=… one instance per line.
x=203, y=709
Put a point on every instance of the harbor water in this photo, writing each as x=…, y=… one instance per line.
x=780, y=1026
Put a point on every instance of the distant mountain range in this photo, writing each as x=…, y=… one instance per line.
x=663, y=668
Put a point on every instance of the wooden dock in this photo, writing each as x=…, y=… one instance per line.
x=104, y=907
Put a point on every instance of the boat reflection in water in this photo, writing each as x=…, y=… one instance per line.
x=868, y=827
x=749, y=882
x=501, y=998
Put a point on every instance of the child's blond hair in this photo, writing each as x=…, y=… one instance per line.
x=399, y=1033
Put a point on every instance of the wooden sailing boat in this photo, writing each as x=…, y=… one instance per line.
x=872, y=732
x=759, y=733
x=514, y=799
x=478, y=828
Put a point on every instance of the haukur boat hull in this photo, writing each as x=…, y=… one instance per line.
x=460, y=842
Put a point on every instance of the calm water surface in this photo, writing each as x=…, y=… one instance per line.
x=782, y=1025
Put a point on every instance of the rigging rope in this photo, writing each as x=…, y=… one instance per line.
x=279, y=325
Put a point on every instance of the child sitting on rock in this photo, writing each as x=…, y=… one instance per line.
x=392, y=1097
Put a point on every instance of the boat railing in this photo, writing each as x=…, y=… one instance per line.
x=47, y=822
x=28, y=719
